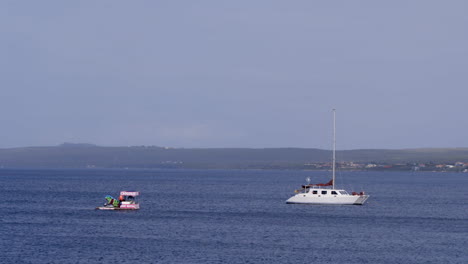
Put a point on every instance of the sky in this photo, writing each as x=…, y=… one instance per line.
x=256, y=74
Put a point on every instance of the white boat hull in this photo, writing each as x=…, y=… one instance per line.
x=115, y=208
x=306, y=198
x=122, y=207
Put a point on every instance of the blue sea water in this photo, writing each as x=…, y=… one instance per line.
x=230, y=216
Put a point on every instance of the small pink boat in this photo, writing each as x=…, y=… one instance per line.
x=126, y=201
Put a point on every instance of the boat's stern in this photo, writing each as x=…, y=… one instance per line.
x=129, y=200
x=129, y=206
x=361, y=199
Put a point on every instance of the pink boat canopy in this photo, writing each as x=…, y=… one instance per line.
x=125, y=193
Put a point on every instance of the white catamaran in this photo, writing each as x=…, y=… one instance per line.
x=322, y=193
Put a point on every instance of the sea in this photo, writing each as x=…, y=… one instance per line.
x=230, y=216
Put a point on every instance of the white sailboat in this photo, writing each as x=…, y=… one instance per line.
x=322, y=193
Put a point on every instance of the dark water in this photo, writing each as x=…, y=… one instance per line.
x=48, y=216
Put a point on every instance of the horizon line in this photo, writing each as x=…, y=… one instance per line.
x=70, y=144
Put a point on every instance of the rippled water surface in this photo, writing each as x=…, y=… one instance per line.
x=48, y=216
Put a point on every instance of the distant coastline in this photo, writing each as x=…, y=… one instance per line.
x=69, y=155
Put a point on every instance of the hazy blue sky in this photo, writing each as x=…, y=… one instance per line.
x=245, y=73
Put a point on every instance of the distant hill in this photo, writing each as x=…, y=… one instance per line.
x=69, y=155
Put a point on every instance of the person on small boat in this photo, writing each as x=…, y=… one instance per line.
x=112, y=201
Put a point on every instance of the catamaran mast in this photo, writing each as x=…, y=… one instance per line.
x=334, y=147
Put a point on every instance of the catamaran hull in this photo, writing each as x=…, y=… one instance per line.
x=304, y=198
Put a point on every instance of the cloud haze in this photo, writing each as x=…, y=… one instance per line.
x=234, y=73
